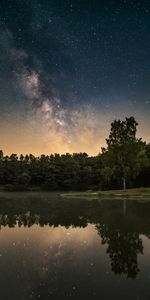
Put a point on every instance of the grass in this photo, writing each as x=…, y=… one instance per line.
x=138, y=193
x=128, y=193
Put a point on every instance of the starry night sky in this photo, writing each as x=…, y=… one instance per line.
x=68, y=69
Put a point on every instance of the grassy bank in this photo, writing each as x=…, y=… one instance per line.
x=139, y=192
x=110, y=194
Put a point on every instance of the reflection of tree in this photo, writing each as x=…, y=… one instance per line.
x=52, y=212
x=123, y=248
x=118, y=229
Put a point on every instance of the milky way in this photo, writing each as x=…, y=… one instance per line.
x=68, y=69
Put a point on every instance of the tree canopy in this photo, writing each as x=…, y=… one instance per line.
x=125, y=161
x=125, y=152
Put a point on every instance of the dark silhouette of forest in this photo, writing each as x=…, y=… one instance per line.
x=119, y=229
x=125, y=162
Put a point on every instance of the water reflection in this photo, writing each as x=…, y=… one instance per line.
x=123, y=248
x=74, y=238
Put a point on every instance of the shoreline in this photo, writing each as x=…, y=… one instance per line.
x=110, y=194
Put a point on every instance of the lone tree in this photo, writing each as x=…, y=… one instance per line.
x=125, y=152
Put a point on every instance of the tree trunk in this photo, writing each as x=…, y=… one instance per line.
x=124, y=206
x=124, y=183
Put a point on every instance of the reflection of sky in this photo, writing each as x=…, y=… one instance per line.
x=43, y=262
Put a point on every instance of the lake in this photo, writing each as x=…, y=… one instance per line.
x=55, y=248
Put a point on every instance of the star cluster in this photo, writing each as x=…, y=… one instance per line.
x=68, y=68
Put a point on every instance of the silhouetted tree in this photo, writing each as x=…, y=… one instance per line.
x=125, y=152
x=126, y=159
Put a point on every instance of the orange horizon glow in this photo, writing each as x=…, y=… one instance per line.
x=24, y=139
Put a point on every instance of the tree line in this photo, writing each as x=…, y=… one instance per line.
x=125, y=162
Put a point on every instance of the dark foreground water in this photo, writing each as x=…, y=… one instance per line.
x=52, y=248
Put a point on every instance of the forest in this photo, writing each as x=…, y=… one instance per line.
x=123, y=163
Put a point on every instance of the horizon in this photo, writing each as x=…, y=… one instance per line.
x=68, y=70
x=92, y=154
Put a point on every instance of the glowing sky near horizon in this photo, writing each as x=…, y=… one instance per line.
x=68, y=69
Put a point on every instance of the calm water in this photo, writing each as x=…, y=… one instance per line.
x=52, y=248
